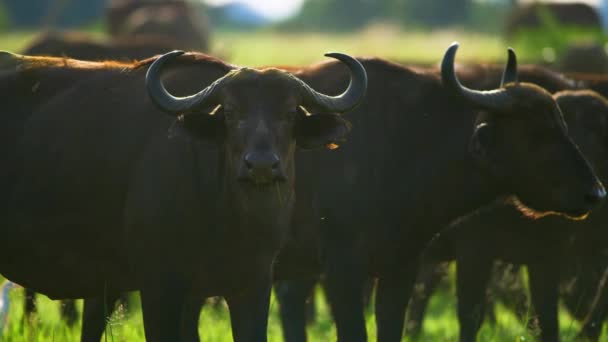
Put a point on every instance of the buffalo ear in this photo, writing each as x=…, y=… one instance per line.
x=483, y=142
x=484, y=148
x=320, y=130
x=199, y=126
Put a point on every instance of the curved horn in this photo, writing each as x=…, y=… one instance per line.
x=491, y=99
x=509, y=75
x=169, y=103
x=350, y=98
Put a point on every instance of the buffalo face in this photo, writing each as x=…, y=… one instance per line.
x=521, y=138
x=260, y=118
x=540, y=161
x=586, y=113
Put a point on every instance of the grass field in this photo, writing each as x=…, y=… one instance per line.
x=266, y=48
x=417, y=47
x=270, y=47
x=126, y=324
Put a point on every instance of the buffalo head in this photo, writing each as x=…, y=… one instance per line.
x=586, y=113
x=260, y=116
x=521, y=138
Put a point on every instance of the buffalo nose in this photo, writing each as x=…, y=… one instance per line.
x=261, y=161
x=597, y=194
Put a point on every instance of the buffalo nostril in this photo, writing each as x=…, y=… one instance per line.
x=261, y=161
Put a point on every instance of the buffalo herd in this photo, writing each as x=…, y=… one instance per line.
x=184, y=177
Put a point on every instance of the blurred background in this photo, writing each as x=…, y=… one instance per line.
x=569, y=36
x=261, y=32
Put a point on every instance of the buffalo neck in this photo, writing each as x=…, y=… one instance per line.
x=419, y=171
x=446, y=182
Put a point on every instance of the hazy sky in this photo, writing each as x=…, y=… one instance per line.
x=275, y=9
x=279, y=9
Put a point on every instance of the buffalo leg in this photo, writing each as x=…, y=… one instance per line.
x=473, y=274
x=94, y=317
x=190, y=319
x=592, y=326
x=68, y=311
x=163, y=300
x=426, y=284
x=29, y=308
x=544, y=282
x=29, y=305
x=249, y=311
x=344, y=287
x=292, y=296
x=507, y=286
x=368, y=290
x=311, y=308
x=392, y=295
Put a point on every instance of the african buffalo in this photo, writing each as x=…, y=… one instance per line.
x=532, y=16
x=100, y=200
x=84, y=46
x=546, y=245
x=178, y=21
x=584, y=57
x=431, y=152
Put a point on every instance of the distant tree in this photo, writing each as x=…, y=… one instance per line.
x=4, y=19
x=436, y=12
x=352, y=14
x=338, y=14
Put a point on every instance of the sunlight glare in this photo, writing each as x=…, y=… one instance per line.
x=272, y=9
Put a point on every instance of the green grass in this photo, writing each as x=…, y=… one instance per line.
x=271, y=48
x=268, y=47
x=301, y=48
x=15, y=41
x=126, y=324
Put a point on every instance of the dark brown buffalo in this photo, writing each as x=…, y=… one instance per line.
x=177, y=21
x=432, y=151
x=84, y=46
x=107, y=193
x=576, y=293
x=547, y=246
x=531, y=16
x=593, y=81
x=584, y=58
x=575, y=290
